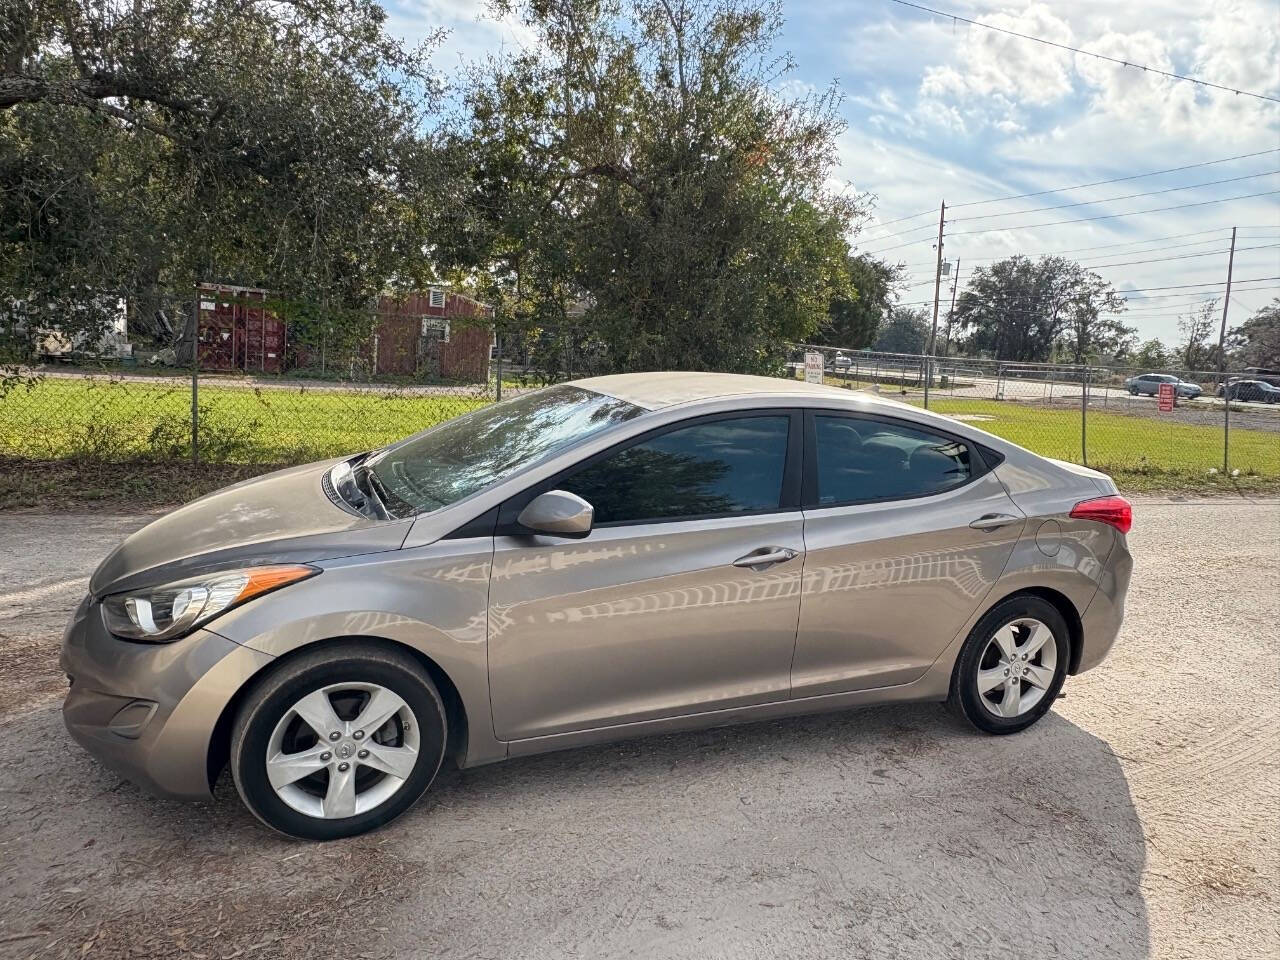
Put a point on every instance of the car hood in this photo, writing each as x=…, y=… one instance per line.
x=282, y=517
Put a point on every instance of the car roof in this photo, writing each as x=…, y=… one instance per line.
x=654, y=391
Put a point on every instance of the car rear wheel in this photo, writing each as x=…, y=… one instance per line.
x=1012, y=666
x=338, y=741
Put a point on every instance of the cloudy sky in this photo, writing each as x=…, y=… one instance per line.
x=939, y=110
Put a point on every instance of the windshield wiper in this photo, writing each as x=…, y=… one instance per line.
x=379, y=493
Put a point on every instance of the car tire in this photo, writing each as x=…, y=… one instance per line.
x=355, y=776
x=1133, y=391
x=984, y=658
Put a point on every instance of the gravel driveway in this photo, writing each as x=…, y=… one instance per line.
x=1140, y=818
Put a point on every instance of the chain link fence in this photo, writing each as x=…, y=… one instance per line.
x=1109, y=418
x=121, y=416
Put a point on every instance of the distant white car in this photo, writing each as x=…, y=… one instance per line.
x=842, y=361
x=1148, y=384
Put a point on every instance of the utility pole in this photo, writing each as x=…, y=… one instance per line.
x=1222, y=356
x=937, y=289
x=955, y=285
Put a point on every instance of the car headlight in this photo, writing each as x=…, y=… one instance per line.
x=166, y=612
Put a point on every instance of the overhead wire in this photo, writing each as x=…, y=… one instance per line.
x=1089, y=53
x=1113, y=216
x=1129, y=196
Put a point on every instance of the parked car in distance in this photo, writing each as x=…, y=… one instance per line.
x=1257, y=391
x=1148, y=384
x=596, y=560
x=842, y=361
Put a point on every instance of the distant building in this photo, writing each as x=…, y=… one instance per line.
x=415, y=335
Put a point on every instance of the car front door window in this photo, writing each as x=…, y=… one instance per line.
x=707, y=469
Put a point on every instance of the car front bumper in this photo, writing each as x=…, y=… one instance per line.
x=148, y=711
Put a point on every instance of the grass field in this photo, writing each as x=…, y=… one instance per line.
x=1140, y=451
x=101, y=420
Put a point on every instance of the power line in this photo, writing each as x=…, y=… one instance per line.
x=1080, y=186
x=1182, y=286
x=1129, y=263
x=1136, y=176
x=887, y=223
x=1112, y=216
x=1108, y=246
x=1130, y=196
x=1185, y=256
x=1087, y=53
x=901, y=233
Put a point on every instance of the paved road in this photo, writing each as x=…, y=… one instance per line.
x=1139, y=819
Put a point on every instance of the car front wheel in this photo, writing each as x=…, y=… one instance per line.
x=1012, y=666
x=338, y=741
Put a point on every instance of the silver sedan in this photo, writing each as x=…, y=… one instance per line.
x=602, y=559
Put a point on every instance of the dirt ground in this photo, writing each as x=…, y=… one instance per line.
x=1141, y=818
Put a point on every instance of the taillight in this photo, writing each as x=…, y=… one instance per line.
x=1116, y=511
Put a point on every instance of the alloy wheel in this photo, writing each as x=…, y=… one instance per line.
x=342, y=750
x=1017, y=667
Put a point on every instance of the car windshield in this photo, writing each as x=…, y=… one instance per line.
x=443, y=465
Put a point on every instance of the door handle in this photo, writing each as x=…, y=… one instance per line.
x=765, y=556
x=992, y=520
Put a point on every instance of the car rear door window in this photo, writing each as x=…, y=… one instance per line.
x=860, y=460
x=712, y=468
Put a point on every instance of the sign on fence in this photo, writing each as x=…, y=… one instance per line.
x=1166, y=397
x=813, y=368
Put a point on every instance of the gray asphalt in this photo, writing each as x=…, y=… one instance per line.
x=1139, y=819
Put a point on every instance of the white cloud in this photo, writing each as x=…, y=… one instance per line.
x=996, y=63
x=985, y=115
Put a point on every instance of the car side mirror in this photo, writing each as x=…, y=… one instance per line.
x=557, y=513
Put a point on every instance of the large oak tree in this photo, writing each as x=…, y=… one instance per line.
x=149, y=144
x=640, y=163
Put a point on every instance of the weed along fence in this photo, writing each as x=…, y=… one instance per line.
x=1090, y=415
x=1103, y=417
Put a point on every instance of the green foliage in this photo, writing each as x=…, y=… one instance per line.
x=854, y=321
x=148, y=145
x=1019, y=309
x=1256, y=342
x=220, y=441
x=906, y=331
x=1152, y=355
x=638, y=180
x=1197, y=351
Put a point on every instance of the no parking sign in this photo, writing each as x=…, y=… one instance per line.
x=1166, y=397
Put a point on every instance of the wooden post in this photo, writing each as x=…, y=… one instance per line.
x=1222, y=358
x=937, y=287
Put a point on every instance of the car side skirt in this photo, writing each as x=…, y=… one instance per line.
x=933, y=686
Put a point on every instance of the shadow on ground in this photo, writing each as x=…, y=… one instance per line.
x=889, y=832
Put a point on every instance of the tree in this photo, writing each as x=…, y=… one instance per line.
x=1196, y=352
x=853, y=322
x=149, y=144
x=906, y=331
x=1256, y=342
x=1152, y=355
x=1092, y=328
x=683, y=199
x=1019, y=309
